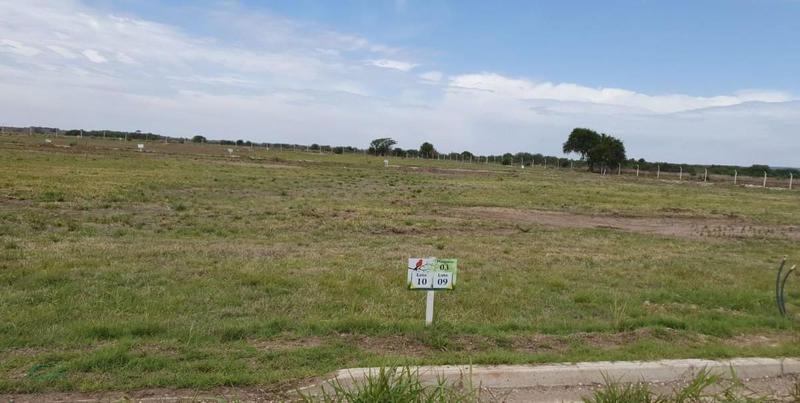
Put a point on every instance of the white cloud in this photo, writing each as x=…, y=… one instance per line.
x=568, y=92
x=11, y=46
x=123, y=58
x=94, y=56
x=214, y=80
x=392, y=64
x=66, y=53
x=435, y=76
x=69, y=65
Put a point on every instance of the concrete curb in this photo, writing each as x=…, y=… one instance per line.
x=587, y=373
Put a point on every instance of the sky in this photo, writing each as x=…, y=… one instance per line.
x=711, y=82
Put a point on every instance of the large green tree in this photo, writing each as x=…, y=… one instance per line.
x=609, y=151
x=381, y=146
x=427, y=150
x=581, y=141
x=595, y=148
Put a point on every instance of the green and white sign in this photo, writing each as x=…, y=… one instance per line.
x=431, y=273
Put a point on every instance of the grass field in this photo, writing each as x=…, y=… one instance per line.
x=181, y=267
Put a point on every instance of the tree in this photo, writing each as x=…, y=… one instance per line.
x=609, y=151
x=595, y=148
x=581, y=141
x=381, y=146
x=427, y=150
x=198, y=139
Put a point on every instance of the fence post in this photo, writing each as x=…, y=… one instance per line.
x=658, y=173
x=791, y=178
x=765, y=179
x=680, y=175
x=619, y=169
x=705, y=176
x=637, y=170
x=735, y=176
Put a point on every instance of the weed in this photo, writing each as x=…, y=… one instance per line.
x=438, y=337
x=614, y=392
x=395, y=385
x=704, y=387
x=618, y=312
x=51, y=196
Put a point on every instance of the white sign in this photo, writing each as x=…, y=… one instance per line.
x=140, y=146
x=431, y=273
x=230, y=151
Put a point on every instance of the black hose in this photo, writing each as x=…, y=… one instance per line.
x=778, y=288
x=783, y=287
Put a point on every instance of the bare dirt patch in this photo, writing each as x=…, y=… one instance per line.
x=393, y=344
x=390, y=344
x=688, y=227
x=244, y=394
x=288, y=344
x=767, y=339
x=445, y=171
x=258, y=163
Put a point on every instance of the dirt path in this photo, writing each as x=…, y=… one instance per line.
x=669, y=226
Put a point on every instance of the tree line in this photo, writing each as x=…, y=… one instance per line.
x=596, y=151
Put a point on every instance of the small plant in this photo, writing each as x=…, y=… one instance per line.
x=438, y=337
x=695, y=391
x=51, y=196
x=726, y=390
x=632, y=393
x=618, y=310
x=395, y=385
x=178, y=206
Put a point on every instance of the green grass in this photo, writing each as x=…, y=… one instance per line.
x=182, y=267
